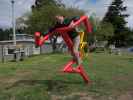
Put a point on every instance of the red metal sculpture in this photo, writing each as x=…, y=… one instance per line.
x=63, y=32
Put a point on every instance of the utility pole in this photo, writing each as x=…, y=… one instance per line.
x=13, y=23
x=14, y=29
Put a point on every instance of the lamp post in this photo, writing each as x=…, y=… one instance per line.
x=13, y=23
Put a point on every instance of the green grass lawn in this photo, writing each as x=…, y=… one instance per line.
x=40, y=78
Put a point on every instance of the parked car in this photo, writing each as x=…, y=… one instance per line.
x=130, y=49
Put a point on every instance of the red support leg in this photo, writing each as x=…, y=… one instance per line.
x=68, y=67
x=68, y=41
x=86, y=22
x=82, y=72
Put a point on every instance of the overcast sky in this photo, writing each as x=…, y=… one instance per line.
x=22, y=6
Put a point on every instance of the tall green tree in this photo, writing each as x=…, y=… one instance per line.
x=1, y=34
x=43, y=16
x=5, y=34
x=116, y=16
x=40, y=3
x=104, y=31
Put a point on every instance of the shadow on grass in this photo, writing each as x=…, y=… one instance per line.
x=127, y=58
x=50, y=84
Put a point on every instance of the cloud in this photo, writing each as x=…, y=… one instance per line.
x=99, y=7
x=129, y=4
x=21, y=7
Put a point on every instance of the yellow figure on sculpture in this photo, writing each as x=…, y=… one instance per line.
x=83, y=44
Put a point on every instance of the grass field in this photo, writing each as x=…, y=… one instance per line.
x=39, y=78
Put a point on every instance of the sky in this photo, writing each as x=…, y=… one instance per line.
x=99, y=7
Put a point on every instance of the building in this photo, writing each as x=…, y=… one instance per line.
x=25, y=44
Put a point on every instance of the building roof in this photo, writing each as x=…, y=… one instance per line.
x=11, y=41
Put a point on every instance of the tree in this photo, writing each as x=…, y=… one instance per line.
x=21, y=23
x=104, y=31
x=1, y=34
x=129, y=37
x=43, y=16
x=5, y=34
x=40, y=3
x=116, y=17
